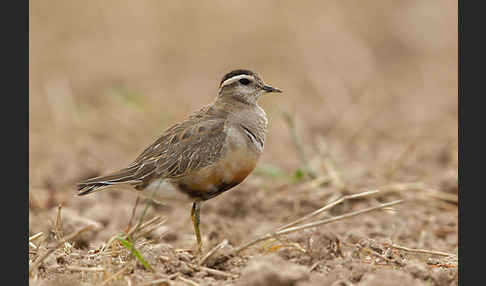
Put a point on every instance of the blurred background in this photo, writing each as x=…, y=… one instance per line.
x=369, y=98
x=108, y=77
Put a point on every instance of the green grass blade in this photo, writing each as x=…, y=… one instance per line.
x=128, y=245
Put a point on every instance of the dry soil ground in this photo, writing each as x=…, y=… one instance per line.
x=369, y=103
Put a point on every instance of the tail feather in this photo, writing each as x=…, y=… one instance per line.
x=124, y=176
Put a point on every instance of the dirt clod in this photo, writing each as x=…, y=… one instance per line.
x=388, y=277
x=272, y=270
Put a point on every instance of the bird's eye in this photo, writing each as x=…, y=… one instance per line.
x=244, y=81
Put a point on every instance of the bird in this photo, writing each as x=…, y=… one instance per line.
x=211, y=151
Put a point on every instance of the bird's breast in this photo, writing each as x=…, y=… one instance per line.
x=237, y=162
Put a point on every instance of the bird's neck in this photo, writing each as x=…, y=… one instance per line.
x=228, y=96
x=249, y=115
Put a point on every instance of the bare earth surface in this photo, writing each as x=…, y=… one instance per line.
x=369, y=103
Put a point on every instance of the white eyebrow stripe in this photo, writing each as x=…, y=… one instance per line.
x=235, y=78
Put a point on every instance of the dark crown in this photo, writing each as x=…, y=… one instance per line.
x=237, y=72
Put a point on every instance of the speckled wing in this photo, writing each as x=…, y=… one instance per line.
x=184, y=148
x=187, y=146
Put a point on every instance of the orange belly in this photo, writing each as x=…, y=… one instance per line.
x=213, y=180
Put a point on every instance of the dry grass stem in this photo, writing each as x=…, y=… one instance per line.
x=398, y=162
x=58, y=245
x=277, y=247
x=213, y=251
x=156, y=282
x=452, y=198
x=313, y=266
x=108, y=245
x=141, y=229
x=188, y=281
x=144, y=227
x=149, y=229
x=313, y=224
x=336, y=218
x=425, y=251
x=85, y=269
x=316, y=182
x=328, y=164
x=374, y=253
x=161, y=280
x=35, y=236
x=134, y=210
x=422, y=188
x=58, y=226
x=333, y=173
x=115, y=275
x=326, y=207
x=218, y=272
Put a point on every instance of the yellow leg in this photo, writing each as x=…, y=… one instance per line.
x=195, y=220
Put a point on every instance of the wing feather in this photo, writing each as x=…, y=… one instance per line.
x=187, y=146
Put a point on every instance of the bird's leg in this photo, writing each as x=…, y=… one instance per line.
x=195, y=220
